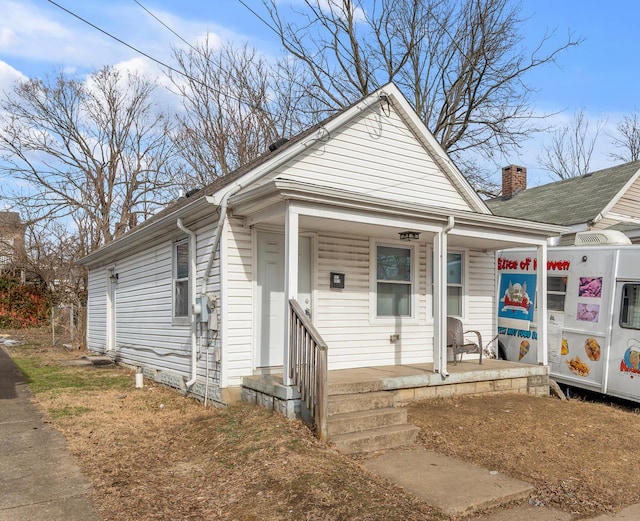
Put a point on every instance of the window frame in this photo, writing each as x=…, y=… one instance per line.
x=175, y=280
x=464, y=282
x=624, y=306
x=413, y=283
x=556, y=293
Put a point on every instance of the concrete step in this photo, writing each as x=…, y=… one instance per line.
x=343, y=403
x=359, y=421
x=363, y=386
x=391, y=437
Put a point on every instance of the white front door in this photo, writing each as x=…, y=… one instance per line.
x=270, y=297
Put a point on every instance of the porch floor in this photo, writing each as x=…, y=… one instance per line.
x=409, y=382
x=419, y=381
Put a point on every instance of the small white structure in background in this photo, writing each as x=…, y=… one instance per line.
x=593, y=313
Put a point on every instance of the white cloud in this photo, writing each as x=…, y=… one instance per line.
x=9, y=76
x=37, y=37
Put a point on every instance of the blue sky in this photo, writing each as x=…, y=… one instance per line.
x=599, y=76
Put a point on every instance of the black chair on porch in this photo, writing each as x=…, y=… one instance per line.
x=457, y=342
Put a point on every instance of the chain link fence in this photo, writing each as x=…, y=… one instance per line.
x=69, y=325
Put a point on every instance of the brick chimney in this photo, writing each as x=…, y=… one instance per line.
x=514, y=180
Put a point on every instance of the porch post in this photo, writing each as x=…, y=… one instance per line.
x=290, y=280
x=541, y=319
x=440, y=302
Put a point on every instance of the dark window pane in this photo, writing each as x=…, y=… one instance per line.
x=394, y=264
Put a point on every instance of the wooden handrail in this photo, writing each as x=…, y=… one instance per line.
x=308, y=366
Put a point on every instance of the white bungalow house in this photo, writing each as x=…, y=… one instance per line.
x=363, y=221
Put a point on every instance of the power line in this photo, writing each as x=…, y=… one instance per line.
x=167, y=27
x=155, y=60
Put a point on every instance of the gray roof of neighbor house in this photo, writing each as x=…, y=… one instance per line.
x=571, y=201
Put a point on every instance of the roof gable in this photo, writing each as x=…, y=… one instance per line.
x=381, y=150
x=572, y=201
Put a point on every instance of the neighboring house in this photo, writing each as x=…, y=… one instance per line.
x=606, y=199
x=12, y=245
x=363, y=220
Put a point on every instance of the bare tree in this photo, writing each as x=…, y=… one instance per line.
x=569, y=153
x=627, y=139
x=50, y=256
x=96, y=150
x=461, y=63
x=235, y=104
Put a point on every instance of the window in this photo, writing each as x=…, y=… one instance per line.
x=454, y=284
x=630, y=310
x=394, y=282
x=181, y=279
x=556, y=293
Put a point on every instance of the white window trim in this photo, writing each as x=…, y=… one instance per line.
x=374, y=319
x=185, y=320
x=465, y=282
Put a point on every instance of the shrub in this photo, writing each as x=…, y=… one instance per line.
x=22, y=305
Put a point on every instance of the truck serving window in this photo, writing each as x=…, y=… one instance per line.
x=556, y=293
x=630, y=309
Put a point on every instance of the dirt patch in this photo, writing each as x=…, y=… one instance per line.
x=580, y=455
x=152, y=454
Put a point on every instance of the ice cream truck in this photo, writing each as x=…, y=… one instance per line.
x=592, y=316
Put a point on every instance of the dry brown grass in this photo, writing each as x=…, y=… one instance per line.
x=581, y=456
x=153, y=454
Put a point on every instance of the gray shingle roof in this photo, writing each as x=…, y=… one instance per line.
x=568, y=202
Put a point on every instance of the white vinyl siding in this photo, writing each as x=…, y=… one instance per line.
x=377, y=157
x=481, y=294
x=239, y=306
x=145, y=335
x=343, y=316
x=628, y=203
x=97, y=310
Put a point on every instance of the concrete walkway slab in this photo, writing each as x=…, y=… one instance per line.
x=39, y=478
x=455, y=487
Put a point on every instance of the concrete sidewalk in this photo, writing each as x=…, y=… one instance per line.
x=39, y=479
x=463, y=490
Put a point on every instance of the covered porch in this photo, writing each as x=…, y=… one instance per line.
x=375, y=333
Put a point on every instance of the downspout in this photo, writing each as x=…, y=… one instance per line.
x=450, y=224
x=193, y=267
x=224, y=204
x=443, y=372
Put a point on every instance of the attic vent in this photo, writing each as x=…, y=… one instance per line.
x=595, y=238
x=191, y=192
x=275, y=146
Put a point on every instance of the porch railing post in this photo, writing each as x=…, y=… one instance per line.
x=321, y=395
x=307, y=366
